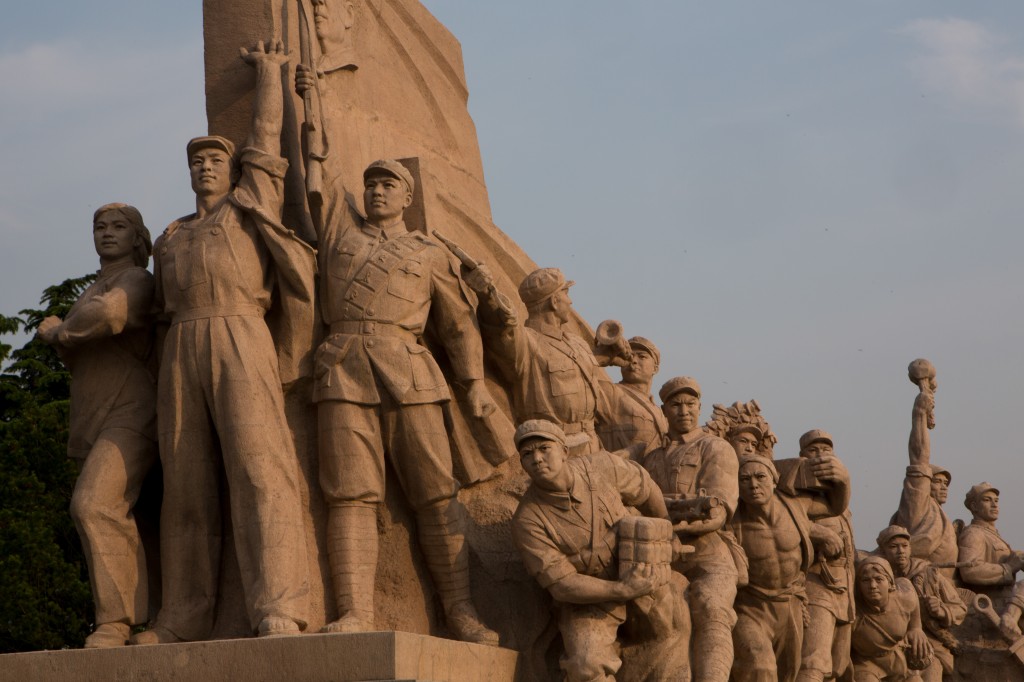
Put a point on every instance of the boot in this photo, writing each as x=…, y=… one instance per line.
x=443, y=540
x=352, y=551
x=107, y=635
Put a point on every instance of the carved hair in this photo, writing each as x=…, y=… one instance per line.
x=726, y=422
x=143, y=247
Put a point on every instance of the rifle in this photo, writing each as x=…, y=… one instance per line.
x=471, y=263
x=316, y=134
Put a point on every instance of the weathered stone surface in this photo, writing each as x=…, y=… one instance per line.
x=361, y=657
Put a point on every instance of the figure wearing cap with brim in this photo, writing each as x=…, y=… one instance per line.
x=221, y=413
x=986, y=560
x=634, y=420
x=774, y=528
x=817, y=472
x=695, y=464
x=744, y=427
x=552, y=370
x=565, y=528
x=941, y=605
x=926, y=485
x=381, y=396
x=888, y=642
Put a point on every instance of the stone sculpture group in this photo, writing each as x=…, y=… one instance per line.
x=669, y=550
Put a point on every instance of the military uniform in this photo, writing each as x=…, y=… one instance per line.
x=379, y=385
x=633, y=418
x=220, y=385
x=701, y=462
x=554, y=375
x=380, y=392
x=562, y=534
x=933, y=537
x=982, y=543
x=830, y=601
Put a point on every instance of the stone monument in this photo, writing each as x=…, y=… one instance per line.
x=350, y=351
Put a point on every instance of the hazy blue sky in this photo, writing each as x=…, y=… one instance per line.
x=793, y=200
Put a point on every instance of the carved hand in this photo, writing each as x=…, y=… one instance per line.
x=920, y=647
x=261, y=55
x=933, y=605
x=481, y=403
x=827, y=541
x=637, y=581
x=1009, y=623
x=47, y=330
x=479, y=278
x=829, y=469
x=304, y=79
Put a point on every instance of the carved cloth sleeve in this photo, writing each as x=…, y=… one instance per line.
x=989, y=550
x=546, y=543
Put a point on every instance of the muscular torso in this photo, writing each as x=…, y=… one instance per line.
x=772, y=545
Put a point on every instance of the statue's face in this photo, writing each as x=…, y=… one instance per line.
x=561, y=305
x=210, y=169
x=817, y=449
x=940, y=488
x=897, y=551
x=543, y=461
x=332, y=18
x=874, y=588
x=744, y=443
x=385, y=197
x=682, y=411
x=986, y=508
x=756, y=484
x=113, y=236
x=641, y=369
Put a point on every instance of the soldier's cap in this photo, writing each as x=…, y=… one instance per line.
x=874, y=562
x=939, y=471
x=976, y=491
x=539, y=428
x=763, y=461
x=815, y=436
x=640, y=343
x=541, y=284
x=392, y=168
x=207, y=142
x=891, y=532
x=737, y=429
x=678, y=384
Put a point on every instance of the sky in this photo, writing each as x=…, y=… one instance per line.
x=793, y=200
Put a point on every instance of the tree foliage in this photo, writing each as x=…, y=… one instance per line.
x=45, y=601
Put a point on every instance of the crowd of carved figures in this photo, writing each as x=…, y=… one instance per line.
x=734, y=564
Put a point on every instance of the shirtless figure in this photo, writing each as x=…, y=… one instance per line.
x=775, y=531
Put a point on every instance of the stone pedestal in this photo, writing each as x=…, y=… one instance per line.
x=363, y=657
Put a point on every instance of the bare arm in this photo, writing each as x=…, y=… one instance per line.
x=920, y=441
x=268, y=111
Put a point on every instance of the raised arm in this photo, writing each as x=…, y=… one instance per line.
x=268, y=110
x=920, y=441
